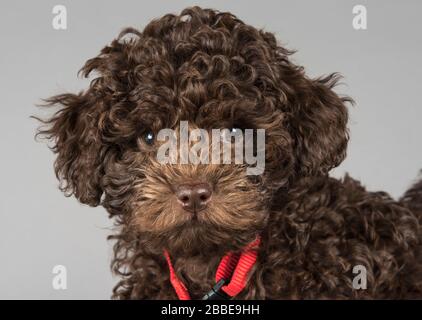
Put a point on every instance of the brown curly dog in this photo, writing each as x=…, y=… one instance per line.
x=214, y=71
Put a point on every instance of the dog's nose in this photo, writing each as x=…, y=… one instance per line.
x=194, y=197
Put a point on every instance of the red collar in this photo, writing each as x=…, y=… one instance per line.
x=233, y=266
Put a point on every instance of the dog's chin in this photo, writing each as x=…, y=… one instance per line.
x=196, y=237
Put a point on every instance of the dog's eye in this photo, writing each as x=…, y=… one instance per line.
x=149, y=137
x=230, y=133
x=235, y=130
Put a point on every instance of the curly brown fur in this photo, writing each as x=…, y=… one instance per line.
x=213, y=70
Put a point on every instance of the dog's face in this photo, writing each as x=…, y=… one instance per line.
x=214, y=72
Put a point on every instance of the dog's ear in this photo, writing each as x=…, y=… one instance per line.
x=80, y=128
x=318, y=126
x=74, y=132
x=89, y=124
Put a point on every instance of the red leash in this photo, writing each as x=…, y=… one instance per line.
x=234, y=267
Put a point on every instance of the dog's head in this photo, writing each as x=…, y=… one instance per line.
x=213, y=71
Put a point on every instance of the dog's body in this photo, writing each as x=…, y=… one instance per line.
x=214, y=71
x=316, y=235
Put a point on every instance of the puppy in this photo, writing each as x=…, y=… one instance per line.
x=294, y=231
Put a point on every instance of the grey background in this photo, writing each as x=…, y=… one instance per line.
x=40, y=228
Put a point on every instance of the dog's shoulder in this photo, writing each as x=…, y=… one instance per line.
x=332, y=226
